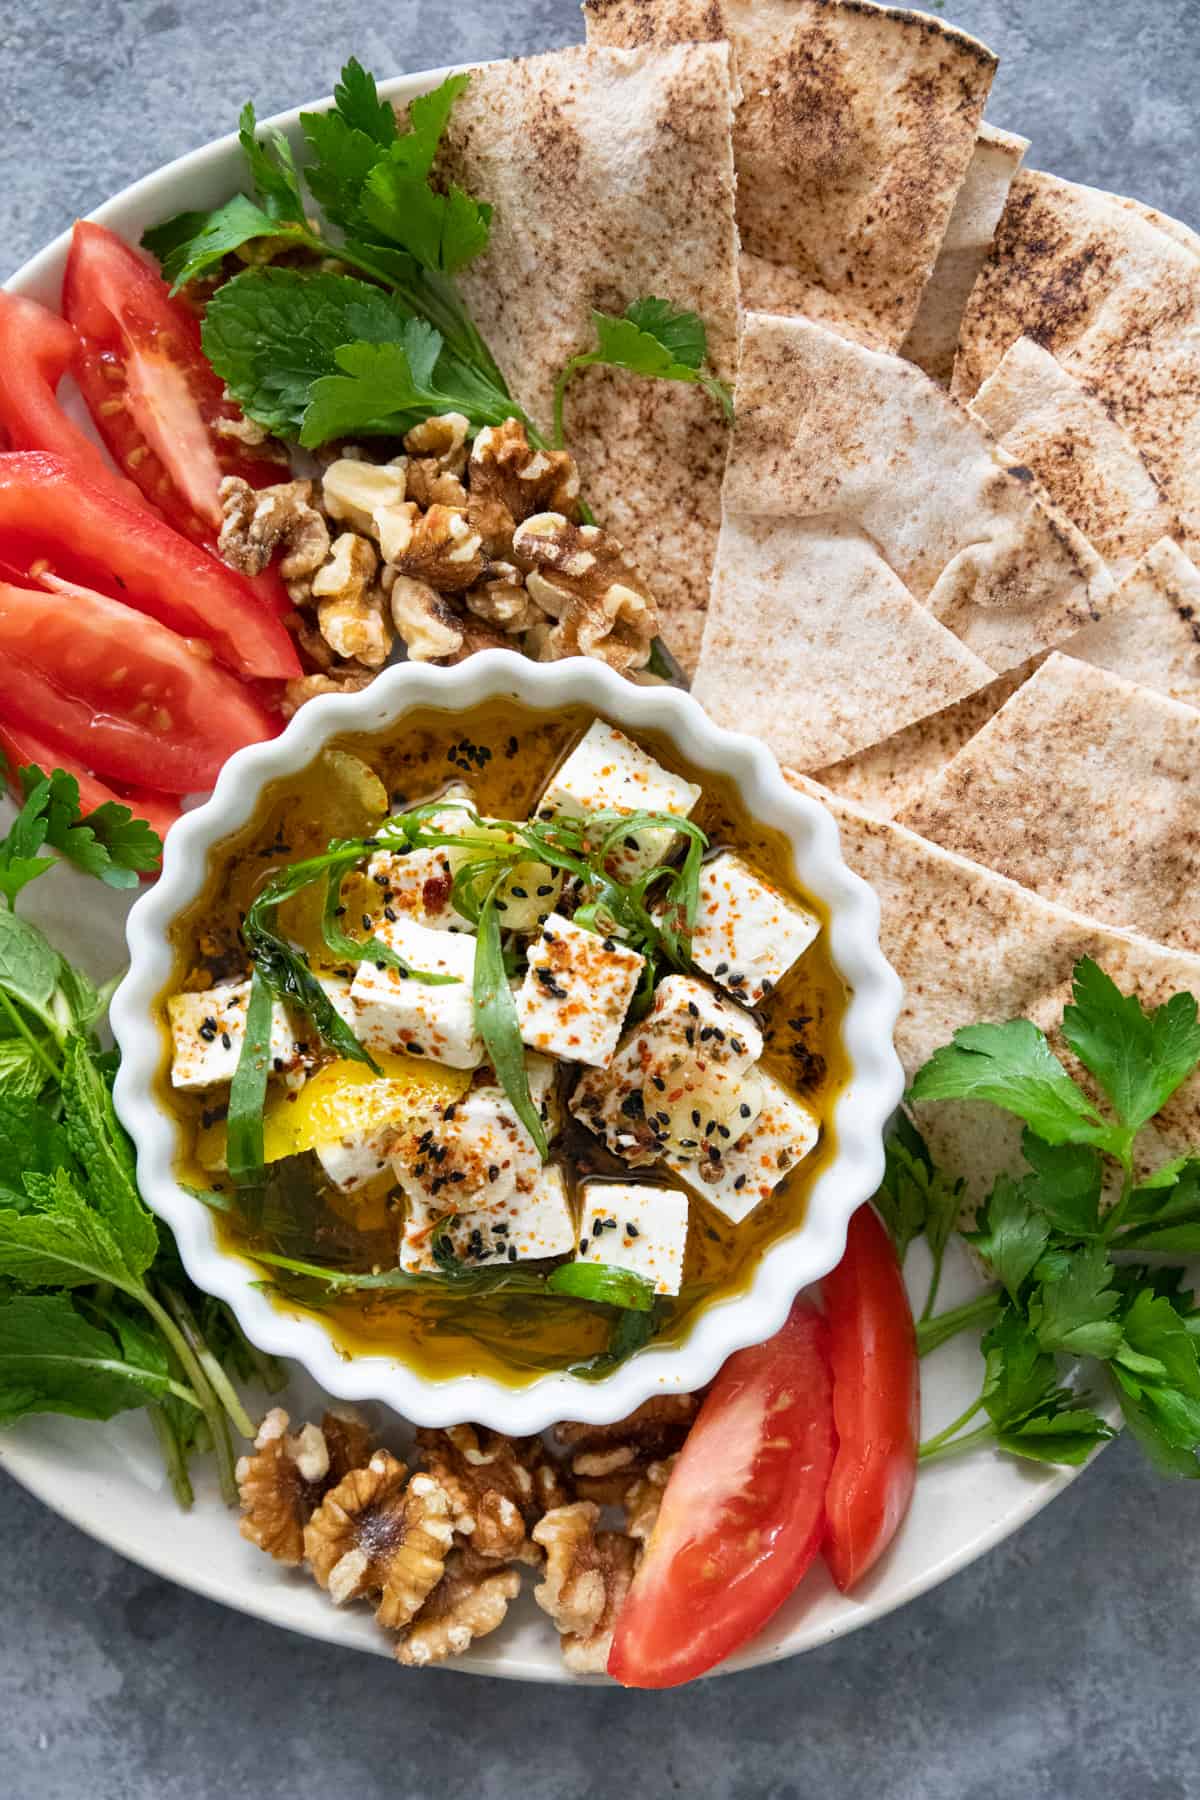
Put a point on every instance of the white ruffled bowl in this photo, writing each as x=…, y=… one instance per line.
x=860, y=1115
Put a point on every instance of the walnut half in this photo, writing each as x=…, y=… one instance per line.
x=588, y=1574
x=471, y=1599
x=379, y=1533
x=498, y=1487
x=606, y=1459
x=580, y=578
x=284, y=1481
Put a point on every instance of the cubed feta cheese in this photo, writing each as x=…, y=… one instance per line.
x=207, y=1031
x=337, y=992
x=689, y=1012
x=606, y=772
x=524, y=1227
x=418, y=882
x=404, y=1016
x=741, y=1175
x=468, y=1152
x=576, y=992
x=634, y=1225
x=747, y=934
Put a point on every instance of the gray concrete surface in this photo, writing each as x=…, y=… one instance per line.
x=1060, y=1666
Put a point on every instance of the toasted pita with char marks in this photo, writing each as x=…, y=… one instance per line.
x=933, y=336
x=1116, y=301
x=1061, y=429
x=801, y=610
x=856, y=126
x=1150, y=634
x=1085, y=788
x=611, y=175
x=970, y=945
x=827, y=428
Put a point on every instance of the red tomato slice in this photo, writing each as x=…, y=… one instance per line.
x=148, y=385
x=125, y=696
x=876, y=1400
x=21, y=748
x=48, y=512
x=743, y=1513
x=36, y=350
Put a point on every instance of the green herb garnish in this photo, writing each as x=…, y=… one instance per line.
x=108, y=842
x=650, y=338
x=1066, y=1288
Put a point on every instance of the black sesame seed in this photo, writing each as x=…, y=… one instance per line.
x=546, y=888
x=659, y=1083
x=419, y=1169
x=695, y=1115
x=693, y=1009
x=706, y=1031
x=366, y=921
x=500, y=1230
x=518, y=893
x=597, y=1227
x=512, y=1253
x=494, y=1175
x=632, y=1229
x=633, y=1106
x=724, y=1130
x=737, y=1046
x=689, y=1032
x=740, y=1182
x=460, y=1174
x=226, y=1041
x=279, y=1065
x=389, y=913
x=609, y=945
x=722, y=968
x=583, y=1246
x=744, y=1110
x=208, y=1030
x=414, y=1049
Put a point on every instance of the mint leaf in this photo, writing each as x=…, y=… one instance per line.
x=1139, y=1058
x=192, y=243
x=22, y=1074
x=271, y=333
x=386, y=388
x=1065, y=1185
x=31, y=1141
x=61, y=1241
x=1011, y=1235
x=1013, y=1066
x=1074, y=1314
x=29, y=967
x=102, y=1149
x=53, y=1360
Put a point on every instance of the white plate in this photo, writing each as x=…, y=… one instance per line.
x=108, y=1479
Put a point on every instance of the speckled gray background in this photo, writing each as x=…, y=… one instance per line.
x=1061, y=1666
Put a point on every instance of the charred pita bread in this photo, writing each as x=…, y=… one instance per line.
x=1085, y=788
x=829, y=429
x=813, y=644
x=611, y=175
x=1150, y=634
x=856, y=126
x=933, y=336
x=1173, y=228
x=1116, y=301
x=1060, y=428
x=970, y=945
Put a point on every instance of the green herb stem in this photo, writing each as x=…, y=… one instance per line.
x=36, y=1044
x=219, y=1382
x=173, y=1456
x=935, y=1450
x=211, y=1407
x=978, y=1313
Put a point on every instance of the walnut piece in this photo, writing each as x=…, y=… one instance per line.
x=254, y=437
x=443, y=439
x=643, y=1500
x=284, y=1481
x=309, y=687
x=471, y=1599
x=498, y=1486
x=256, y=522
x=588, y=1573
x=502, y=600
x=445, y=551
x=511, y=481
x=606, y=1459
x=371, y=499
x=350, y=612
x=379, y=1533
x=580, y=577
x=428, y=626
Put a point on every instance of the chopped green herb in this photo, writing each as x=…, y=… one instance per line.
x=650, y=338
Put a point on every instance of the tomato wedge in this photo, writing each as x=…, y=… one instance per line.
x=21, y=748
x=743, y=1513
x=36, y=350
x=121, y=693
x=148, y=385
x=876, y=1400
x=49, y=512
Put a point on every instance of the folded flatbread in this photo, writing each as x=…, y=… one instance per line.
x=856, y=126
x=611, y=174
x=1061, y=429
x=933, y=336
x=826, y=429
x=1085, y=788
x=970, y=945
x=1116, y=301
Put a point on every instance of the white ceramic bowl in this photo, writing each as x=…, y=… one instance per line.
x=861, y=1111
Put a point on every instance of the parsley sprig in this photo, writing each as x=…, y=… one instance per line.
x=1067, y=1288
x=96, y=1314
x=652, y=338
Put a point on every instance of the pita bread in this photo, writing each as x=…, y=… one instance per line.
x=1150, y=634
x=1062, y=430
x=933, y=336
x=1116, y=302
x=828, y=429
x=611, y=174
x=970, y=945
x=855, y=129
x=1173, y=228
x=1085, y=788
x=800, y=610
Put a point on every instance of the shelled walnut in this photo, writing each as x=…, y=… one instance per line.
x=606, y=1459
x=582, y=579
x=471, y=1599
x=499, y=1487
x=285, y=1479
x=510, y=481
x=380, y=1533
x=588, y=1574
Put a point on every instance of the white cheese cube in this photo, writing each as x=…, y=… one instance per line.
x=607, y=772
x=337, y=992
x=418, y=882
x=737, y=1177
x=747, y=934
x=207, y=1031
x=468, y=1152
x=634, y=1225
x=406, y=1017
x=690, y=1013
x=525, y=1227
x=576, y=992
